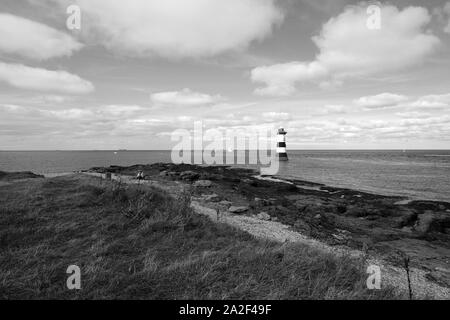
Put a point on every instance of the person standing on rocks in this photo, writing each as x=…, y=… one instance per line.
x=140, y=175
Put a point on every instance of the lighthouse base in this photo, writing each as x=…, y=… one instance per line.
x=282, y=157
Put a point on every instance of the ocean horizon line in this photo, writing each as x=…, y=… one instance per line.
x=161, y=150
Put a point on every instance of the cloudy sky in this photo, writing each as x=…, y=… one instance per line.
x=138, y=70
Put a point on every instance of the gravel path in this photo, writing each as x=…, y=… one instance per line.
x=275, y=231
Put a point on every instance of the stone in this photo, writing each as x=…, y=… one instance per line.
x=300, y=205
x=202, y=184
x=211, y=197
x=289, y=187
x=259, y=202
x=317, y=216
x=250, y=182
x=189, y=175
x=263, y=216
x=235, y=209
x=225, y=203
x=357, y=212
x=402, y=202
x=163, y=173
x=339, y=237
x=265, y=202
x=440, y=277
x=282, y=209
x=302, y=226
x=407, y=229
x=442, y=270
x=430, y=221
x=405, y=219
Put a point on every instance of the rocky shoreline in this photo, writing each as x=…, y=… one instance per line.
x=382, y=226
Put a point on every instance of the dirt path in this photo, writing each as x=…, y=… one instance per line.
x=275, y=231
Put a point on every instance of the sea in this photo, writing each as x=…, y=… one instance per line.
x=415, y=174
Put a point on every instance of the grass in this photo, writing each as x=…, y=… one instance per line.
x=134, y=243
x=10, y=176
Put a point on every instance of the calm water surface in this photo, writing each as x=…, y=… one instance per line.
x=423, y=174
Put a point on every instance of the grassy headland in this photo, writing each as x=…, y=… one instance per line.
x=136, y=242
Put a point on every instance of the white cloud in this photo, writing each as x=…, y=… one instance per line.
x=56, y=98
x=368, y=131
x=281, y=78
x=413, y=114
x=94, y=123
x=425, y=121
x=276, y=116
x=120, y=110
x=185, y=97
x=12, y=108
x=433, y=101
x=173, y=28
x=71, y=114
x=103, y=113
x=348, y=49
x=24, y=77
x=185, y=119
x=333, y=109
x=385, y=100
x=381, y=100
x=34, y=40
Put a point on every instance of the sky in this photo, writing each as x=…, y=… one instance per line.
x=336, y=74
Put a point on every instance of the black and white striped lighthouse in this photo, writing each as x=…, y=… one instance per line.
x=281, y=145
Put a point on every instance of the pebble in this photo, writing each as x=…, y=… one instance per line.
x=263, y=216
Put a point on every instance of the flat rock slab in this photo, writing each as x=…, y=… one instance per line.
x=225, y=203
x=211, y=197
x=202, y=184
x=234, y=209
